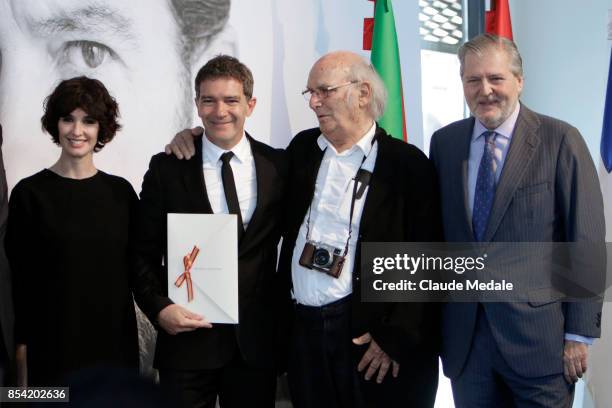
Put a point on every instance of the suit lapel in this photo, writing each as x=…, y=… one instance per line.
x=378, y=191
x=193, y=180
x=305, y=169
x=311, y=170
x=523, y=145
x=263, y=169
x=459, y=171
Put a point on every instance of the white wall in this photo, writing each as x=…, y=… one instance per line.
x=565, y=54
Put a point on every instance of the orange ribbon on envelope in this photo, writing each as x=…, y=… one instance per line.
x=188, y=261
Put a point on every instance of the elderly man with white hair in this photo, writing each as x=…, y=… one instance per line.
x=350, y=182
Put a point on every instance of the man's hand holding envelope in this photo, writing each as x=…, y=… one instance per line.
x=176, y=319
x=202, y=272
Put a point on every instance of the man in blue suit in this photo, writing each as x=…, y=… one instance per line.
x=508, y=174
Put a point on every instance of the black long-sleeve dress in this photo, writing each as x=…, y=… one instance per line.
x=68, y=246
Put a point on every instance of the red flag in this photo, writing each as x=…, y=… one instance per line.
x=497, y=20
x=368, y=31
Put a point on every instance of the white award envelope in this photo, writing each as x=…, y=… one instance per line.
x=214, y=272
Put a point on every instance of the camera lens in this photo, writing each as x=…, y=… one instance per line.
x=321, y=257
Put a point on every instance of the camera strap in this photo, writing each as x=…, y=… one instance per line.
x=362, y=177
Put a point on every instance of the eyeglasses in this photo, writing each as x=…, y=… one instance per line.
x=324, y=91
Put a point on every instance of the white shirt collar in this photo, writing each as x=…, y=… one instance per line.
x=505, y=129
x=364, y=144
x=212, y=153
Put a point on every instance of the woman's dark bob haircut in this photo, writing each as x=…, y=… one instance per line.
x=91, y=96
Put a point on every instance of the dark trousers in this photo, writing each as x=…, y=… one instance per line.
x=488, y=381
x=237, y=385
x=321, y=371
x=323, y=366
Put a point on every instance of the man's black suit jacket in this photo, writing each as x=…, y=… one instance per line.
x=401, y=205
x=177, y=186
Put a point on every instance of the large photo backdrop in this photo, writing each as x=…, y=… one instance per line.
x=148, y=52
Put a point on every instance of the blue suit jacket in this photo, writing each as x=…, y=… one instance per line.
x=548, y=192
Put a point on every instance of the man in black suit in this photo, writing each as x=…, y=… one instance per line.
x=7, y=346
x=346, y=353
x=230, y=173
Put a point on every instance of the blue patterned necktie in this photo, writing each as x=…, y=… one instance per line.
x=485, y=187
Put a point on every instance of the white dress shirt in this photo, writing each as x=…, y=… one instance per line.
x=329, y=220
x=243, y=167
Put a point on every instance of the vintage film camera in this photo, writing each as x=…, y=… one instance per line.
x=323, y=258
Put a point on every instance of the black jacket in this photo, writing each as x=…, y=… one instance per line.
x=402, y=205
x=177, y=186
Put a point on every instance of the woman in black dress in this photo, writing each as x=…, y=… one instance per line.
x=68, y=240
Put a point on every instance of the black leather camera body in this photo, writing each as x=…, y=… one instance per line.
x=323, y=258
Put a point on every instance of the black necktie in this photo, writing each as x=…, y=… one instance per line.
x=229, y=186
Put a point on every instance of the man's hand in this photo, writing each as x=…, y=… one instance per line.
x=574, y=360
x=182, y=145
x=375, y=359
x=176, y=319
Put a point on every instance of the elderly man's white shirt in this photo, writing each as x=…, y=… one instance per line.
x=329, y=220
